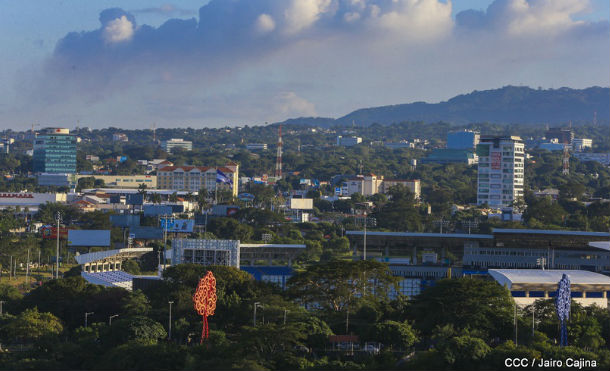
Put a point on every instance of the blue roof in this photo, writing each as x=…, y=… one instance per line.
x=419, y=234
x=549, y=231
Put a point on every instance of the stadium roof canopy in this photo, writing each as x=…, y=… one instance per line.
x=510, y=277
x=420, y=234
x=272, y=245
x=550, y=232
x=128, y=253
x=604, y=245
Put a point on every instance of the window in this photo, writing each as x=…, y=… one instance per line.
x=518, y=294
x=536, y=294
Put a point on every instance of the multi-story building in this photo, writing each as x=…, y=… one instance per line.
x=121, y=181
x=55, y=152
x=256, y=146
x=602, y=158
x=170, y=144
x=119, y=137
x=501, y=170
x=562, y=135
x=194, y=178
x=348, y=141
x=466, y=139
x=580, y=144
x=368, y=185
x=450, y=156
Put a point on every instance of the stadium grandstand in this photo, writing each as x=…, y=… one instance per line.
x=528, y=285
x=104, y=267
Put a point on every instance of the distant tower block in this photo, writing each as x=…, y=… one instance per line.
x=278, y=161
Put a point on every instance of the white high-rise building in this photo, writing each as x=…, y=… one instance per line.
x=501, y=170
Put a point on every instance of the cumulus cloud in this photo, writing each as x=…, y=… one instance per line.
x=265, y=23
x=118, y=30
x=289, y=104
x=523, y=17
x=340, y=54
x=301, y=14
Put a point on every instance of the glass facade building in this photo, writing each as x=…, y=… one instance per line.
x=55, y=152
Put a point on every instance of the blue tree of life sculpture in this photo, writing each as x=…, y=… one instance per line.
x=563, y=301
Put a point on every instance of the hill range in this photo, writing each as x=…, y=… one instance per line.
x=507, y=105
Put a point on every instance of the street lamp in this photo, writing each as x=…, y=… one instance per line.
x=58, y=219
x=87, y=314
x=366, y=205
x=256, y=305
x=169, y=333
x=110, y=319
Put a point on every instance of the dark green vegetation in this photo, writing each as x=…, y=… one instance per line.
x=462, y=324
x=510, y=104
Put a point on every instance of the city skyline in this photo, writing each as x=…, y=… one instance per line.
x=192, y=64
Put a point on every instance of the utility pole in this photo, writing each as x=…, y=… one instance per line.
x=256, y=305
x=533, y=319
x=285, y=312
x=515, y=317
x=27, y=269
x=58, y=218
x=87, y=314
x=1, y=303
x=169, y=332
x=364, y=250
x=347, y=322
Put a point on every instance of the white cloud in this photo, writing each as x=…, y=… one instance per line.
x=339, y=54
x=416, y=19
x=289, y=104
x=118, y=30
x=302, y=14
x=265, y=23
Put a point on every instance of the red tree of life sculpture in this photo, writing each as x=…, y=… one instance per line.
x=205, y=301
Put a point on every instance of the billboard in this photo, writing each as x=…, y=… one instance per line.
x=125, y=220
x=146, y=233
x=135, y=199
x=49, y=232
x=301, y=203
x=177, y=225
x=155, y=210
x=89, y=237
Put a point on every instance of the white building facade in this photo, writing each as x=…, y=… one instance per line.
x=501, y=171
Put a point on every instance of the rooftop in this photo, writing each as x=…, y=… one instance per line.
x=509, y=277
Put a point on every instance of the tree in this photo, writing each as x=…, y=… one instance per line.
x=395, y=334
x=139, y=329
x=467, y=304
x=335, y=285
x=31, y=325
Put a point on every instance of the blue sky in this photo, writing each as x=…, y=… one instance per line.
x=256, y=61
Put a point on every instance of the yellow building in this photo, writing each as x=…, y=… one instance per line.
x=121, y=181
x=194, y=178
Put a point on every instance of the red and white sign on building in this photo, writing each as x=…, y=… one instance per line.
x=496, y=160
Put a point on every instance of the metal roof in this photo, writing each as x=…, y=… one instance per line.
x=272, y=245
x=548, y=231
x=604, y=245
x=101, y=255
x=418, y=234
x=509, y=277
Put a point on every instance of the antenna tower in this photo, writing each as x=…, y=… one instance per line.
x=154, y=130
x=278, y=161
x=566, y=158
